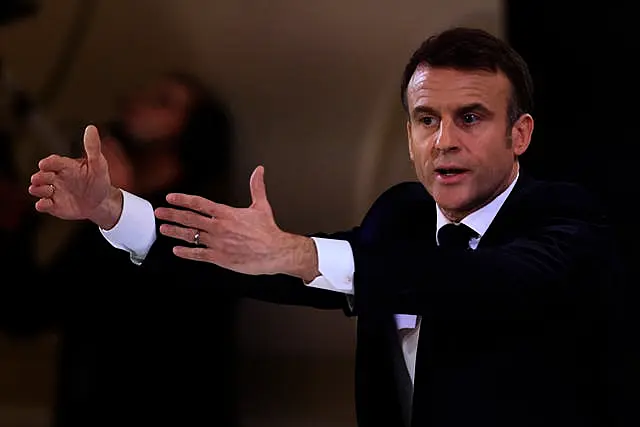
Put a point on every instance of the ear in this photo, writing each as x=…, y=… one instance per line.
x=521, y=133
x=409, y=139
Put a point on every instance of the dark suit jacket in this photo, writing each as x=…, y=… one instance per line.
x=523, y=331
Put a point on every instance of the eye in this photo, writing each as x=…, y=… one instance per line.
x=429, y=120
x=470, y=118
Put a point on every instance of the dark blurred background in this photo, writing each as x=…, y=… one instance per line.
x=313, y=91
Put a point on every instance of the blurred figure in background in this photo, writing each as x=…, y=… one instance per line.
x=132, y=351
x=17, y=224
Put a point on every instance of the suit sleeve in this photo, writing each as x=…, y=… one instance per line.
x=528, y=271
x=137, y=233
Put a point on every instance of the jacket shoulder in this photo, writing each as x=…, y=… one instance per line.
x=400, y=207
x=563, y=198
x=407, y=191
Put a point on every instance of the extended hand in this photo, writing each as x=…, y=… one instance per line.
x=246, y=240
x=77, y=188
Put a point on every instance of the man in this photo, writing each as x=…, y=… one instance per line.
x=506, y=285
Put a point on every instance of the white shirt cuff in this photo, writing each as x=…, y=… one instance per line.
x=135, y=231
x=336, y=266
x=406, y=321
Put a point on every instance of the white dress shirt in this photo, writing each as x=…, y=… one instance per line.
x=135, y=233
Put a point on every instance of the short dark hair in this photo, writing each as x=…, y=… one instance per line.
x=469, y=49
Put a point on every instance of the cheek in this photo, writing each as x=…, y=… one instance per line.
x=500, y=158
x=423, y=165
x=422, y=155
x=421, y=145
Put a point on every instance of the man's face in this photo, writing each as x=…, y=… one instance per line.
x=463, y=149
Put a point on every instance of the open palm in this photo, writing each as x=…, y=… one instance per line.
x=73, y=188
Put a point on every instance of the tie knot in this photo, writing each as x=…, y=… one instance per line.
x=455, y=236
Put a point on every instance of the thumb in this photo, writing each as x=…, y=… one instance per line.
x=258, y=189
x=92, y=143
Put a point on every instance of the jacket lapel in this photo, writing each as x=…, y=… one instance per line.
x=503, y=222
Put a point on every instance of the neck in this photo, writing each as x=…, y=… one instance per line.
x=456, y=216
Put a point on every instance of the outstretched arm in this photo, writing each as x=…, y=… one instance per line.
x=405, y=274
x=136, y=233
x=81, y=189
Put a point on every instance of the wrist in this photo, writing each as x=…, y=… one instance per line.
x=300, y=257
x=108, y=212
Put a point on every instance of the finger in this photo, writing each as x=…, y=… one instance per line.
x=43, y=178
x=55, y=163
x=182, y=233
x=194, y=254
x=258, y=189
x=41, y=191
x=92, y=143
x=184, y=218
x=199, y=204
x=44, y=205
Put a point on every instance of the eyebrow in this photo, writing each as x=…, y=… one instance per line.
x=424, y=109
x=469, y=108
x=475, y=107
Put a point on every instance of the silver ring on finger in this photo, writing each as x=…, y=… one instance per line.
x=196, y=238
x=53, y=190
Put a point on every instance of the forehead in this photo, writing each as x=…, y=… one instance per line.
x=446, y=88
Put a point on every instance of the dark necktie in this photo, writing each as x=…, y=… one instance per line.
x=455, y=236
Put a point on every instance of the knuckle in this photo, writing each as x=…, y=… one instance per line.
x=196, y=219
x=172, y=231
x=168, y=214
x=179, y=232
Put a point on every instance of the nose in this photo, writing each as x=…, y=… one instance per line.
x=445, y=138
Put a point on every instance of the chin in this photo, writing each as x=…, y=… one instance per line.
x=451, y=198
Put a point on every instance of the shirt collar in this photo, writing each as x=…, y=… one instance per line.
x=480, y=220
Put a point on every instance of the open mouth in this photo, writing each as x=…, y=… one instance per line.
x=450, y=171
